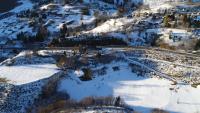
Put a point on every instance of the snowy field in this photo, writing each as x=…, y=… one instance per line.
x=27, y=73
x=142, y=93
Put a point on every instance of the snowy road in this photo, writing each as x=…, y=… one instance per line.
x=107, y=47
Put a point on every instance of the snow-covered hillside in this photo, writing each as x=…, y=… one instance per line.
x=145, y=79
x=143, y=88
x=141, y=93
x=62, y=55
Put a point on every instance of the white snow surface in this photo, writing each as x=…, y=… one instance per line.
x=111, y=25
x=23, y=74
x=141, y=93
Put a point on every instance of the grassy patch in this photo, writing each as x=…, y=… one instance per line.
x=3, y=80
x=195, y=85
